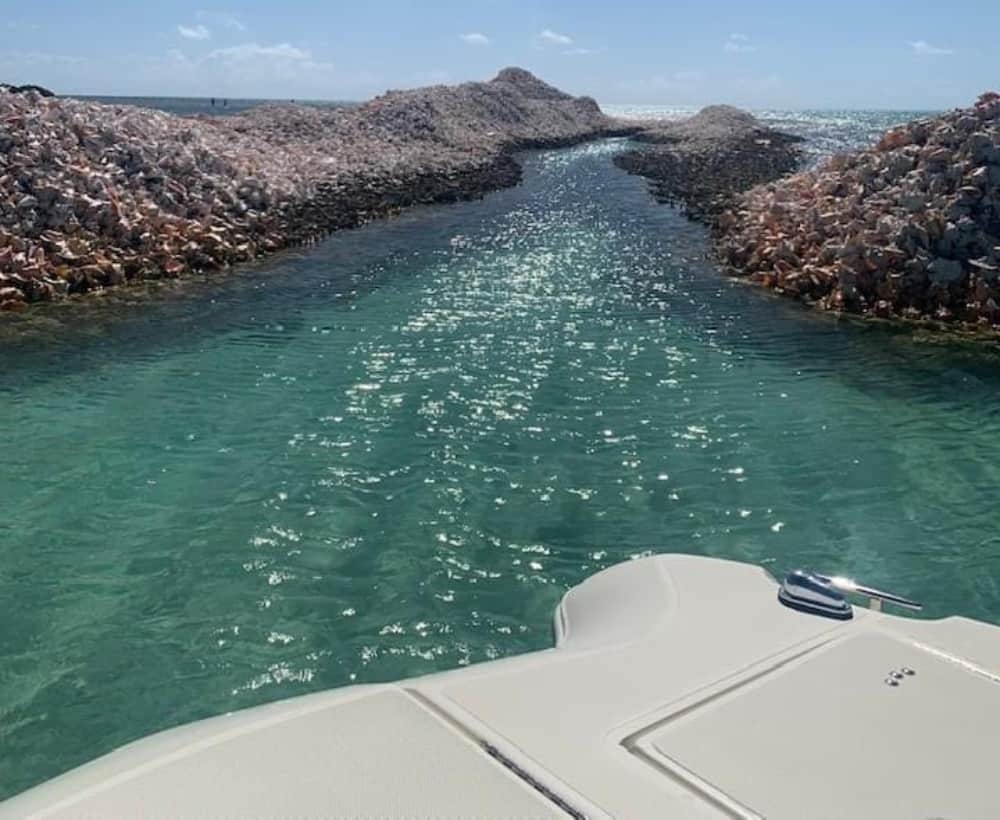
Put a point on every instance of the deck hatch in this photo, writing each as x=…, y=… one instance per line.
x=827, y=724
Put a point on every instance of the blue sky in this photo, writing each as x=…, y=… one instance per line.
x=762, y=54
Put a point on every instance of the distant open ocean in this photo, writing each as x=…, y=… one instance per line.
x=825, y=131
x=217, y=106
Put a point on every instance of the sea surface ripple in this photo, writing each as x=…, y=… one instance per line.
x=392, y=453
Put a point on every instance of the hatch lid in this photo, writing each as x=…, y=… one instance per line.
x=834, y=734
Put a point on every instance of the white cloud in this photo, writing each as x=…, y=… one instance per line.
x=738, y=44
x=550, y=36
x=254, y=51
x=198, y=32
x=474, y=38
x=924, y=49
x=282, y=59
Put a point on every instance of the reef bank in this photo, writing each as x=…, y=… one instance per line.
x=908, y=229
x=94, y=196
x=702, y=162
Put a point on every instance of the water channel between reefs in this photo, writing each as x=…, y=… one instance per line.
x=392, y=453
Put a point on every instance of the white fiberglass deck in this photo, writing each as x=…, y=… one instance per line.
x=679, y=688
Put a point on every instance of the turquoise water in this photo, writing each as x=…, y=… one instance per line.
x=392, y=453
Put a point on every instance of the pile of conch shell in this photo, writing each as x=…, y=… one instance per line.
x=95, y=195
x=701, y=162
x=909, y=229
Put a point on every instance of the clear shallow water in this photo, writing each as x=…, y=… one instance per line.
x=392, y=453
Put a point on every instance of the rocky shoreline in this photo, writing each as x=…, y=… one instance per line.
x=702, y=162
x=907, y=230
x=94, y=196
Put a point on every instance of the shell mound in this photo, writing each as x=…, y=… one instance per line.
x=713, y=124
x=529, y=85
x=96, y=195
x=701, y=162
x=907, y=229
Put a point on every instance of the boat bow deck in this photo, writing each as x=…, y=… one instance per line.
x=679, y=687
